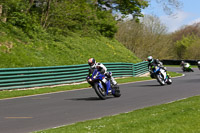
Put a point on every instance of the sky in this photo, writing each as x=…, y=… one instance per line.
x=189, y=13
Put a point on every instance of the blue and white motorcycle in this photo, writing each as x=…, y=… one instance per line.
x=102, y=85
x=161, y=75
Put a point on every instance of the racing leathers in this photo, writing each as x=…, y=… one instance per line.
x=198, y=64
x=103, y=70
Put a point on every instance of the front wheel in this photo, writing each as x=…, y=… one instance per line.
x=160, y=79
x=100, y=91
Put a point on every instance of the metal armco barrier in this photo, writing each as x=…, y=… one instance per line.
x=140, y=68
x=27, y=77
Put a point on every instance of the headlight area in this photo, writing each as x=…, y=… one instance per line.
x=95, y=76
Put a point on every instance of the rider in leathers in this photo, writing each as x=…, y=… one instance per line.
x=103, y=70
x=154, y=62
x=198, y=64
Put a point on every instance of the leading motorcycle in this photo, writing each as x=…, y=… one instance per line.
x=102, y=85
x=161, y=75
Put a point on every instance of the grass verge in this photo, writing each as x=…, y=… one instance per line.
x=17, y=93
x=177, y=117
x=193, y=66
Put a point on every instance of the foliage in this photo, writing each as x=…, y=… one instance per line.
x=60, y=17
x=43, y=49
x=186, y=41
x=146, y=38
x=125, y=7
x=105, y=24
x=186, y=46
x=170, y=5
x=187, y=30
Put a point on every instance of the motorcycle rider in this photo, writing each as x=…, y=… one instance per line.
x=186, y=66
x=154, y=62
x=182, y=64
x=100, y=67
x=198, y=64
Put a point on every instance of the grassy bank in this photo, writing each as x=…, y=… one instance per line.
x=42, y=49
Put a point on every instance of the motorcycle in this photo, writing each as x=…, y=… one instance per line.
x=198, y=64
x=187, y=68
x=102, y=89
x=161, y=75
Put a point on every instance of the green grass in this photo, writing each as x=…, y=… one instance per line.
x=17, y=93
x=193, y=66
x=17, y=49
x=177, y=117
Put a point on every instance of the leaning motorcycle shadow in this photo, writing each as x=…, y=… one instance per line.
x=88, y=99
x=150, y=85
x=180, y=72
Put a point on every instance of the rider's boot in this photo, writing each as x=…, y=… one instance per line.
x=168, y=75
x=113, y=81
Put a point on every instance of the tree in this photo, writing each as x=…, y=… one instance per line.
x=187, y=30
x=187, y=45
x=169, y=5
x=125, y=7
x=146, y=38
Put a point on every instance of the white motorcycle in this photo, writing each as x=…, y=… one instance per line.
x=161, y=75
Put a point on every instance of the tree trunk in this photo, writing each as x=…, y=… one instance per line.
x=0, y=10
x=2, y=15
x=47, y=13
x=30, y=5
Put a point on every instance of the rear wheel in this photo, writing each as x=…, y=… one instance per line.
x=116, y=91
x=169, y=81
x=100, y=91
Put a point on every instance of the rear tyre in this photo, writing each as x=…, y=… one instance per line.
x=169, y=81
x=100, y=91
x=116, y=90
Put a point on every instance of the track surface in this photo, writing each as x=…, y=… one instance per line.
x=27, y=114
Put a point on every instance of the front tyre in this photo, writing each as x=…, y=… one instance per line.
x=100, y=91
x=160, y=79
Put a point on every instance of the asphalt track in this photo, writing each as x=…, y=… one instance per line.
x=33, y=113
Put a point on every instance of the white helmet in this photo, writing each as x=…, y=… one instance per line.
x=198, y=62
x=150, y=59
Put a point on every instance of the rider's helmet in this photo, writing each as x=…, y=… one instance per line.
x=150, y=59
x=91, y=61
x=198, y=63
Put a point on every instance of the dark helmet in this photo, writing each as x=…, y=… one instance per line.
x=91, y=61
x=150, y=59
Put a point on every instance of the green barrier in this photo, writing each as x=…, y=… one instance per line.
x=16, y=78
